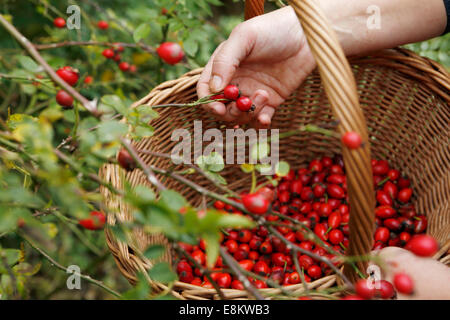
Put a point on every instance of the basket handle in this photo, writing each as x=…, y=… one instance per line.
x=340, y=87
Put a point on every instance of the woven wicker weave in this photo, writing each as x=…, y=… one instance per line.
x=395, y=99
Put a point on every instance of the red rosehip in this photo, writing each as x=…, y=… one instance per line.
x=133, y=68
x=68, y=74
x=95, y=222
x=423, y=245
x=403, y=283
x=108, y=53
x=244, y=104
x=404, y=195
x=336, y=236
x=236, y=284
x=247, y=264
x=314, y=271
x=102, y=25
x=88, y=80
x=352, y=140
x=59, y=22
x=261, y=268
x=170, y=52
x=64, y=99
x=386, y=290
x=231, y=92
x=224, y=280
x=364, y=290
x=124, y=66
x=125, y=160
x=255, y=203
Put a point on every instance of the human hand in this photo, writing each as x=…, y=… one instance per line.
x=267, y=57
x=431, y=278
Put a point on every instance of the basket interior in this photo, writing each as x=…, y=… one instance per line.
x=407, y=123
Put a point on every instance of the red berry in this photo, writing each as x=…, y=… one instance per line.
x=108, y=53
x=352, y=297
x=261, y=268
x=352, y=140
x=133, y=68
x=199, y=256
x=403, y=183
x=423, y=245
x=236, y=284
x=244, y=103
x=88, y=80
x=95, y=222
x=247, y=264
x=386, y=290
x=382, y=234
x=232, y=246
x=404, y=195
x=231, y=92
x=116, y=57
x=364, y=290
x=183, y=265
x=170, y=52
x=68, y=74
x=403, y=283
x=336, y=236
x=59, y=22
x=102, y=24
x=314, y=271
x=279, y=259
x=335, y=191
x=255, y=203
x=315, y=166
x=420, y=224
x=384, y=212
x=219, y=205
x=124, y=66
x=125, y=160
x=224, y=280
x=64, y=99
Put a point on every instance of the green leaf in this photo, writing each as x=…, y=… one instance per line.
x=155, y=252
x=212, y=247
x=162, y=272
x=190, y=46
x=212, y=162
x=282, y=168
x=141, y=32
x=235, y=221
x=247, y=167
x=144, y=193
x=173, y=199
x=111, y=130
x=115, y=102
x=28, y=63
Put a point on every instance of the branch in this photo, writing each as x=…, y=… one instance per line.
x=46, y=46
x=91, y=106
x=61, y=267
x=233, y=266
x=146, y=169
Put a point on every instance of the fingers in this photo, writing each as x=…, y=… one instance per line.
x=259, y=99
x=229, y=56
x=203, y=89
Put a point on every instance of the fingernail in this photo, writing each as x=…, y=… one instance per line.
x=215, y=84
x=264, y=119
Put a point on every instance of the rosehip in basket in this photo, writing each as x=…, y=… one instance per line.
x=423, y=245
x=255, y=203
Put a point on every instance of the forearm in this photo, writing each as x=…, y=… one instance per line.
x=400, y=22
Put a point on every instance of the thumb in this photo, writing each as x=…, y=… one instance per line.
x=229, y=56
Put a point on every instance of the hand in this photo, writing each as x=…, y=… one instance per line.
x=431, y=278
x=267, y=57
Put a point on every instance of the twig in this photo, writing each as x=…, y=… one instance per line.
x=61, y=267
x=196, y=168
x=46, y=46
x=233, y=266
x=146, y=169
x=91, y=106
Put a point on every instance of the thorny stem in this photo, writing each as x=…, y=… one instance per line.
x=61, y=267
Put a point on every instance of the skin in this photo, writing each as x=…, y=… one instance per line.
x=268, y=56
x=431, y=278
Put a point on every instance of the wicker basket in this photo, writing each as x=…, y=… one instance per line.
x=395, y=99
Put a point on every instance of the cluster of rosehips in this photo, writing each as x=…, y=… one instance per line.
x=61, y=23
x=71, y=76
x=317, y=197
x=232, y=93
x=114, y=54
x=96, y=221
